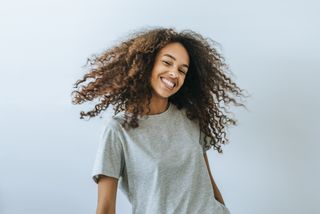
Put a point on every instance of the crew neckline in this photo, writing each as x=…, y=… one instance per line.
x=162, y=114
x=151, y=116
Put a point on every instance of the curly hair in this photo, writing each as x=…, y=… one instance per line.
x=121, y=76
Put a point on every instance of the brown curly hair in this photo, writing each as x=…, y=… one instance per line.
x=121, y=77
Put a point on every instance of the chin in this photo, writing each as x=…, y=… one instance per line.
x=164, y=95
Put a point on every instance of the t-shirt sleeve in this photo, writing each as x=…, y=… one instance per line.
x=109, y=159
x=204, y=146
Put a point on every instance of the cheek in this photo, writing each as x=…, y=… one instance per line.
x=155, y=72
x=154, y=80
x=155, y=77
x=182, y=80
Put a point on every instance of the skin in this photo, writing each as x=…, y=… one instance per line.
x=107, y=194
x=171, y=63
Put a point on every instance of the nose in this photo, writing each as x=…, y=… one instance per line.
x=173, y=72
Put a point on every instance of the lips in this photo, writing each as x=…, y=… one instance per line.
x=168, y=83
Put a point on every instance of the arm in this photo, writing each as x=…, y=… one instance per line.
x=216, y=191
x=107, y=193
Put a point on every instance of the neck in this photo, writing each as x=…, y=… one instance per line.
x=157, y=106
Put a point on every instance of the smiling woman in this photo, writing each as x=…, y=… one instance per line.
x=168, y=72
x=166, y=88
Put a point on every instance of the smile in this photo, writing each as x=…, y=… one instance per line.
x=170, y=85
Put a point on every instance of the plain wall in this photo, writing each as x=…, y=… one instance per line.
x=47, y=152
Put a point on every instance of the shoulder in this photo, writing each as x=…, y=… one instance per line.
x=112, y=131
x=113, y=123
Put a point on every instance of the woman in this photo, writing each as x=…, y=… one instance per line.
x=165, y=88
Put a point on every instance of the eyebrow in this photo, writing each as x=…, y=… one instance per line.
x=185, y=65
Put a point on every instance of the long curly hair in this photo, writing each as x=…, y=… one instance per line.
x=121, y=76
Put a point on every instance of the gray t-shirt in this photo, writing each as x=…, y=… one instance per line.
x=160, y=164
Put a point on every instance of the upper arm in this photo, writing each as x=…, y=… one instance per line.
x=110, y=160
x=107, y=193
x=108, y=168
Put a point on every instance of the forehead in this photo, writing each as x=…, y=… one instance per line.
x=176, y=50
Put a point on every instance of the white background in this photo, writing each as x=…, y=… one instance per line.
x=47, y=152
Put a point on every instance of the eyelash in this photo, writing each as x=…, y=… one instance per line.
x=167, y=63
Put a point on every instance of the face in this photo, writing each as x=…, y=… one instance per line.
x=169, y=70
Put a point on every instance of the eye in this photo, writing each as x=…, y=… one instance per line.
x=183, y=72
x=165, y=62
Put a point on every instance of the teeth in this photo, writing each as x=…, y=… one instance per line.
x=167, y=82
